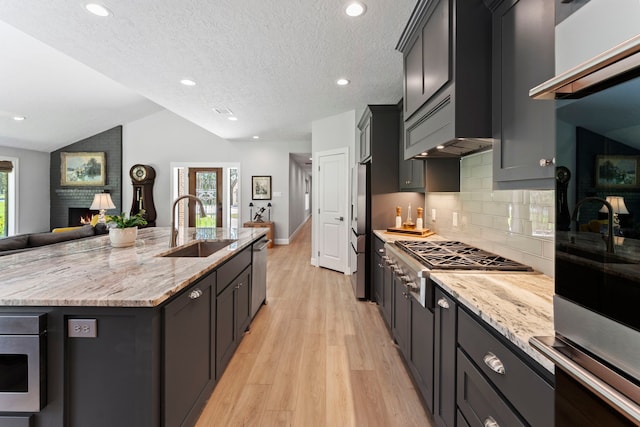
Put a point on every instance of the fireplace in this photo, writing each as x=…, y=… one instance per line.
x=80, y=216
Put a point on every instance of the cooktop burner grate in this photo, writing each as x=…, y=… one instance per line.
x=452, y=255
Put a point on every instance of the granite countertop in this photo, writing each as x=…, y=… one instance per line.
x=89, y=272
x=517, y=305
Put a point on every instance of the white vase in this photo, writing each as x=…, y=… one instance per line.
x=123, y=237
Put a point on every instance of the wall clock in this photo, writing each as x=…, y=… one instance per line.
x=142, y=178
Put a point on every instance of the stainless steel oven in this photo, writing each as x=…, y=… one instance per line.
x=23, y=344
x=597, y=251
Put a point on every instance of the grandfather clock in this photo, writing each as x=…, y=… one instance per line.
x=142, y=178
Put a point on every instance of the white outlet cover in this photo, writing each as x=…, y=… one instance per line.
x=433, y=215
x=454, y=220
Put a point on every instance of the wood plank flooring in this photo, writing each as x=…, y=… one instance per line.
x=315, y=356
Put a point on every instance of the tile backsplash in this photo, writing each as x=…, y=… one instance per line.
x=517, y=224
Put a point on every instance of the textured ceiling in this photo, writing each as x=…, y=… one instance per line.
x=273, y=63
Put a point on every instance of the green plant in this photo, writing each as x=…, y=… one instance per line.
x=123, y=221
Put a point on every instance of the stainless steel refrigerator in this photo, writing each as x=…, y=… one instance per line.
x=360, y=229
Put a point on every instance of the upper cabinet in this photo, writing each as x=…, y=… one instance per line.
x=379, y=145
x=523, y=128
x=446, y=48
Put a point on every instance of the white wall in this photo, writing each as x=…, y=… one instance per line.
x=331, y=133
x=597, y=26
x=164, y=137
x=517, y=224
x=33, y=189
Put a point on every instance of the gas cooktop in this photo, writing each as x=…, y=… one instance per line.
x=452, y=255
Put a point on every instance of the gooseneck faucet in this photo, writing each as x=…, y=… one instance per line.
x=174, y=229
x=574, y=217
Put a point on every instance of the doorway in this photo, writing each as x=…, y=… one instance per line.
x=206, y=184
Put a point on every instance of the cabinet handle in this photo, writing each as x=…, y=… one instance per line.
x=490, y=422
x=381, y=251
x=495, y=364
x=443, y=303
x=547, y=162
x=195, y=294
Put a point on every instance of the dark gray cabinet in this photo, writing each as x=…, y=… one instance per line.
x=365, y=142
x=421, y=356
x=504, y=372
x=233, y=313
x=446, y=48
x=523, y=129
x=411, y=175
x=444, y=370
x=401, y=316
x=189, y=368
x=387, y=293
x=378, y=271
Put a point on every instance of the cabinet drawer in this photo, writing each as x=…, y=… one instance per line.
x=478, y=401
x=378, y=246
x=531, y=395
x=230, y=270
x=18, y=421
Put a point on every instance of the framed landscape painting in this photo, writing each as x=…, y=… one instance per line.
x=617, y=171
x=261, y=187
x=82, y=169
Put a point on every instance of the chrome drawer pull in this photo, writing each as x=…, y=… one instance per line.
x=195, y=294
x=443, y=303
x=495, y=364
x=490, y=422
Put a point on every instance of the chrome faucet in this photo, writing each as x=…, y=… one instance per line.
x=574, y=217
x=174, y=229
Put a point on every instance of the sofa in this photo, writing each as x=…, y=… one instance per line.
x=23, y=242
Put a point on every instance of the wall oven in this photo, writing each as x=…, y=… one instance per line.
x=23, y=386
x=597, y=248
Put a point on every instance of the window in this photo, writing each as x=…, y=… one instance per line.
x=7, y=197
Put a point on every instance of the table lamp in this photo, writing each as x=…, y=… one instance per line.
x=617, y=203
x=102, y=202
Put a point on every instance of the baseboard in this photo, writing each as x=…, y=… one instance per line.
x=281, y=241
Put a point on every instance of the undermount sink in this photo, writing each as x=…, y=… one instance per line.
x=198, y=249
x=597, y=256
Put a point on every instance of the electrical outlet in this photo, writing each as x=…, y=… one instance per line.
x=82, y=328
x=433, y=215
x=454, y=220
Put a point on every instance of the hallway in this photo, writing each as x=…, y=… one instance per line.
x=315, y=356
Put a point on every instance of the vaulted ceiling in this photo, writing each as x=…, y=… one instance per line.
x=272, y=63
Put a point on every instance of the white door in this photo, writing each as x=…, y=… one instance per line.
x=333, y=185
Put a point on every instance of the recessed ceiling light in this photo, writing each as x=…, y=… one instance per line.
x=342, y=82
x=233, y=118
x=19, y=118
x=255, y=137
x=98, y=9
x=440, y=147
x=355, y=9
x=424, y=153
x=188, y=82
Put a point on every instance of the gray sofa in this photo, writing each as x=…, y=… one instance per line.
x=23, y=242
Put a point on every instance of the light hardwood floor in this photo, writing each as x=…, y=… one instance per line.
x=314, y=356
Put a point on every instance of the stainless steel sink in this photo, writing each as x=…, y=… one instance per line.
x=198, y=249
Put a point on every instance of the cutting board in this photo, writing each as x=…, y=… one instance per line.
x=415, y=232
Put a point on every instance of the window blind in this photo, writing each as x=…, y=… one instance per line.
x=6, y=166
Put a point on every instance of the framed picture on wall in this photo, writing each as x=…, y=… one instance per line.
x=261, y=187
x=82, y=169
x=617, y=171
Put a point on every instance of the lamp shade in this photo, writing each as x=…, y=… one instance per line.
x=617, y=203
x=102, y=201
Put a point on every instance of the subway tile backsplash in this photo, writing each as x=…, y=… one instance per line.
x=518, y=224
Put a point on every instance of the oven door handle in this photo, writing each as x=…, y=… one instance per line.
x=624, y=405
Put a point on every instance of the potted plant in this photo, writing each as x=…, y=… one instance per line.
x=124, y=229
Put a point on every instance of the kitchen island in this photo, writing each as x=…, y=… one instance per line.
x=133, y=338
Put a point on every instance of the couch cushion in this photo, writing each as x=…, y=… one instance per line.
x=41, y=239
x=14, y=242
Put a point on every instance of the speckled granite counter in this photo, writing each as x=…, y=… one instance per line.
x=89, y=272
x=517, y=305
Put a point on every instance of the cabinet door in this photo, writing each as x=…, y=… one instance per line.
x=365, y=142
x=225, y=329
x=187, y=344
x=444, y=370
x=523, y=128
x=387, y=294
x=377, y=266
x=426, y=62
x=412, y=175
x=401, y=316
x=243, y=301
x=422, y=350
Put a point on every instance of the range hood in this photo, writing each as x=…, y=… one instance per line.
x=611, y=67
x=458, y=147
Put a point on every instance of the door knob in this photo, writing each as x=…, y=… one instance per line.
x=339, y=219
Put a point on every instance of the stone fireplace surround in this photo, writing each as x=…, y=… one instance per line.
x=65, y=198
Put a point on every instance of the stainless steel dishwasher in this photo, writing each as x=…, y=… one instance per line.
x=259, y=280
